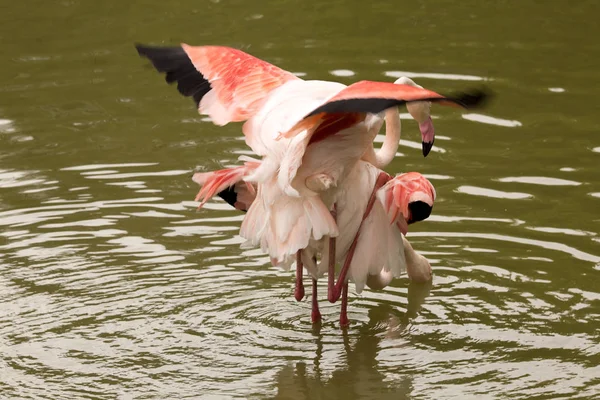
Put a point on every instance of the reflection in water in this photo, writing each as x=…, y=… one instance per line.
x=359, y=375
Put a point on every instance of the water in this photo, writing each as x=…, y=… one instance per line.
x=113, y=286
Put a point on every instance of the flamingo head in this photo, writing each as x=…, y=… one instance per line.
x=409, y=198
x=419, y=197
x=421, y=112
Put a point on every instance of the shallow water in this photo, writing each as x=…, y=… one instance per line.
x=113, y=286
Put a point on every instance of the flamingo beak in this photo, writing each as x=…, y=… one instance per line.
x=428, y=135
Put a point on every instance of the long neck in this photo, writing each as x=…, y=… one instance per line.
x=387, y=152
x=417, y=266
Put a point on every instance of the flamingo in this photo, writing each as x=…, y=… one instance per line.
x=402, y=200
x=310, y=135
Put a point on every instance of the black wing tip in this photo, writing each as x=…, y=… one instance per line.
x=372, y=105
x=158, y=52
x=141, y=48
x=145, y=50
x=174, y=62
x=474, y=98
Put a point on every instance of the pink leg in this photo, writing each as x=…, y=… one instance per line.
x=316, y=314
x=334, y=293
x=331, y=270
x=344, y=321
x=299, y=290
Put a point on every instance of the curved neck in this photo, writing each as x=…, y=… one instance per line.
x=382, y=157
x=417, y=266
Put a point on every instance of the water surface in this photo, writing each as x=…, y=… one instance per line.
x=112, y=285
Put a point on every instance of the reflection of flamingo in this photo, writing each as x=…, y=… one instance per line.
x=310, y=134
x=407, y=198
x=359, y=372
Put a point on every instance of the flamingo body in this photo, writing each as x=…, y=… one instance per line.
x=376, y=262
x=311, y=136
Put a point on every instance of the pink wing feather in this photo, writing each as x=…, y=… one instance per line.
x=226, y=84
x=240, y=82
x=216, y=181
x=384, y=90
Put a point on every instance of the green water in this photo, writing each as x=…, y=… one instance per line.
x=112, y=285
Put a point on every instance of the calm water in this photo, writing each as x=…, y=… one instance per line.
x=112, y=285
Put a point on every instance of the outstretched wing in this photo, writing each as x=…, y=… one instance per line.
x=226, y=84
x=375, y=97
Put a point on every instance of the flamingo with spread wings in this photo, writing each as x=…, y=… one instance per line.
x=310, y=135
x=402, y=200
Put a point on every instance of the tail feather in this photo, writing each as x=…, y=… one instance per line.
x=216, y=182
x=255, y=221
x=286, y=225
x=291, y=163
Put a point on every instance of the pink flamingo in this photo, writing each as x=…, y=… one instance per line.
x=309, y=133
x=402, y=200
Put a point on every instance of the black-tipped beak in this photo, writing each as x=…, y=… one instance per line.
x=419, y=210
x=427, y=148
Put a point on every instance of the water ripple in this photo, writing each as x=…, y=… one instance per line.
x=539, y=243
x=497, y=194
x=486, y=119
x=434, y=75
x=132, y=295
x=11, y=179
x=103, y=166
x=342, y=72
x=540, y=180
x=408, y=143
x=6, y=126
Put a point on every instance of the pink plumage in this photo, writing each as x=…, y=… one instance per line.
x=311, y=135
x=240, y=81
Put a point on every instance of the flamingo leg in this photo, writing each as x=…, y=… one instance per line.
x=299, y=289
x=316, y=314
x=334, y=293
x=344, y=321
x=331, y=268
